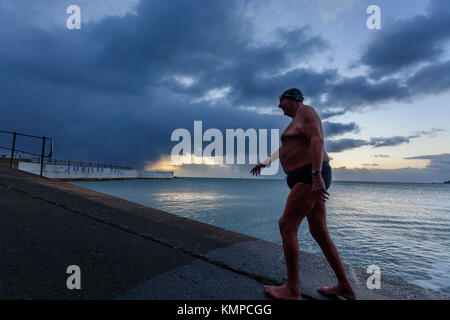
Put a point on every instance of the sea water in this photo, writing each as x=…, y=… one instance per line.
x=404, y=228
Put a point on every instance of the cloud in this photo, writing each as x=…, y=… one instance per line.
x=148, y=51
x=431, y=133
x=214, y=95
x=431, y=79
x=330, y=10
x=409, y=42
x=380, y=155
x=439, y=161
x=437, y=170
x=397, y=140
x=332, y=129
x=51, y=15
x=113, y=91
x=389, y=142
x=344, y=144
x=117, y=88
x=340, y=145
x=359, y=92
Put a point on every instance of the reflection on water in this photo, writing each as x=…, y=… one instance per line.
x=186, y=197
x=203, y=202
x=403, y=228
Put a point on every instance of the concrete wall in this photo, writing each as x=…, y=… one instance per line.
x=56, y=171
x=155, y=174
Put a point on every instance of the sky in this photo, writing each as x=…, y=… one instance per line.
x=116, y=89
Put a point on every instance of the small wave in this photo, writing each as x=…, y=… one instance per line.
x=438, y=278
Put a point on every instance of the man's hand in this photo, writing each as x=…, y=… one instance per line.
x=257, y=169
x=318, y=187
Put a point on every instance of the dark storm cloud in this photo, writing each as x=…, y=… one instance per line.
x=211, y=42
x=397, y=140
x=339, y=145
x=389, y=142
x=410, y=41
x=358, y=92
x=107, y=92
x=330, y=113
x=110, y=91
x=344, y=144
x=431, y=79
x=332, y=129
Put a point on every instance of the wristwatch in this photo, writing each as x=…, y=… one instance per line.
x=315, y=172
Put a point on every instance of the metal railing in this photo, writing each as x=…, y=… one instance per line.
x=13, y=148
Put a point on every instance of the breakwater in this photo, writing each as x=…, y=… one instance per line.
x=76, y=171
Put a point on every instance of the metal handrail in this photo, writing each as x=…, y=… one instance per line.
x=42, y=155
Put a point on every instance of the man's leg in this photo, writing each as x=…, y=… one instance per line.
x=319, y=231
x=299, y=203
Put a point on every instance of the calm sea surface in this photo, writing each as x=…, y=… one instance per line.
x=403, y=228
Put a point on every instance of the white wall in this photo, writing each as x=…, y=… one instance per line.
x=155, y=174
x=82, y=172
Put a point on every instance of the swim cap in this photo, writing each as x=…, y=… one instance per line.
x=292, y=94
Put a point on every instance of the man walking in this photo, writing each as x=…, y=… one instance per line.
x=304, y=160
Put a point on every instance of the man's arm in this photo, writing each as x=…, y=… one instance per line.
x=257, y=169
x=273, y=157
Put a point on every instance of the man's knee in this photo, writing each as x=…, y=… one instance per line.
x=282, y=224
x=319, y=233
x=286, y=228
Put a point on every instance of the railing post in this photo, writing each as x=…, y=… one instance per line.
x=12, y=150
x=42, y=155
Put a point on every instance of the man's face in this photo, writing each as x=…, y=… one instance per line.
x=288, y=107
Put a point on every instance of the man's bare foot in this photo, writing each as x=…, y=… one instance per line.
x=344, y=291
x=282, y=292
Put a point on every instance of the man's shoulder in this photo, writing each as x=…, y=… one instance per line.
x=306, y=111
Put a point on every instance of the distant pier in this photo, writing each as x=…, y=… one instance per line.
x=77, y=170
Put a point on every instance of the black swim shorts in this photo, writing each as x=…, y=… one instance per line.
x=304, y=175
